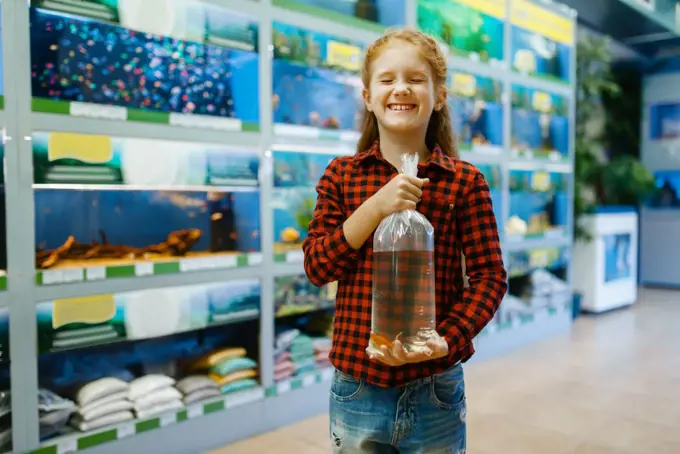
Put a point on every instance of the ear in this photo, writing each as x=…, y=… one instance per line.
x=440, y=98
x=367, y=99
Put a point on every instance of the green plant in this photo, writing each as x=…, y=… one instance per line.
x=601, y=175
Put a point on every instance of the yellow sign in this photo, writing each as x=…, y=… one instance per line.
x=494, y=8
x=91, y=310
x=344, y=55
x=464, y=84
x=83, y=147
x=541, y=102
x=540, y=181
x=534, y=18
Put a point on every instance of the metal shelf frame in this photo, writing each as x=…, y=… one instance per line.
x=23, y=295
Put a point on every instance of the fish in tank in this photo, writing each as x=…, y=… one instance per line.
x=83, y=59
x=76, y=229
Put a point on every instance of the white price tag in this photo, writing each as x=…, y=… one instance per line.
x=126, y=430
x=72, y=275
x=195, y=411
x=186, y=265
x=295, y=256
x=50, y=277
x=168, y=419
x=88, y=110
x=308, y=380
x=226, y=261
x=95, y=273
x=255, y=259
x=283, y=387
x=144, y=269
x=67, y=446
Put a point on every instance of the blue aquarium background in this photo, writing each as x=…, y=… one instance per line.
x=617, y=257
x=309, y=87
x=539, y=130
x=667, y=195
x=492, y=175
x=553, y=59
x=141, y=218
x=79, y=59
x=526, y=202
x=293, y=207
x=389, y=13
x=477, y=118
x=664, y=121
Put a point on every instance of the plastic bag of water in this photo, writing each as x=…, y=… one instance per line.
x=403, y=306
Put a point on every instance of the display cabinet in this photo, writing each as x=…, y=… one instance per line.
x=160, y=165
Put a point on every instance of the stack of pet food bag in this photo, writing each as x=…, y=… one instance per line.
x=229, y=368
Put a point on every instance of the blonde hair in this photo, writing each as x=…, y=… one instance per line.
x=439, y=130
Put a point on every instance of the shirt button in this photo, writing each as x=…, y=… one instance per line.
x=451, y=206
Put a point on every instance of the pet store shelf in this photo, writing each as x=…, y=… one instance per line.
x=77, y=282
x=524, y=242
x=288, y=269
x=95, y=126
x=541, y=164
x=324, y=25
x=296, y=132
x=147, y=268
x=538, y=316
x=125, y=114
x=324, y=13
x=227, y=405
x=558, y=88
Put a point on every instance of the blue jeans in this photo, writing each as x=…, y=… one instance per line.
x=426, y=416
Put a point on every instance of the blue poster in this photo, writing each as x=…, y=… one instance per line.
x=618, y=257
x=667, y=195
x=664, y=121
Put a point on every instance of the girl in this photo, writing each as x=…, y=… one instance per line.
x=404, y=403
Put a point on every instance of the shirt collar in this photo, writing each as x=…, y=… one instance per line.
x=437, y=156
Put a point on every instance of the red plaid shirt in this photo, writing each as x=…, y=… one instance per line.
x=457, y=203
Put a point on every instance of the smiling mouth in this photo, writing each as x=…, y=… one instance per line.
x=401, y=107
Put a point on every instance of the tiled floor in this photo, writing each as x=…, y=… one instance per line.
x=611, y=387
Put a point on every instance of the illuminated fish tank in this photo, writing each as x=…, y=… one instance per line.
x=539, y=125
x=540, y=50
x=110, y=203
x=664, y=121
x=474, y=30
x=476, y=112
x=296, y=175
x=373, y=14
x=316, y=87
x=539, y=205
x=139, y=61
x=294, y=295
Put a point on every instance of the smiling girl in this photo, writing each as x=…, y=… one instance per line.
x=404, y=403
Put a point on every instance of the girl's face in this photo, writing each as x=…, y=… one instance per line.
x=401, y=91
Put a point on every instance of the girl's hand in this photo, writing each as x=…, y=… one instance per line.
x=398, y=356
x=403, y=192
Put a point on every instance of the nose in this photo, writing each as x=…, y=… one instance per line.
x=401, y=88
